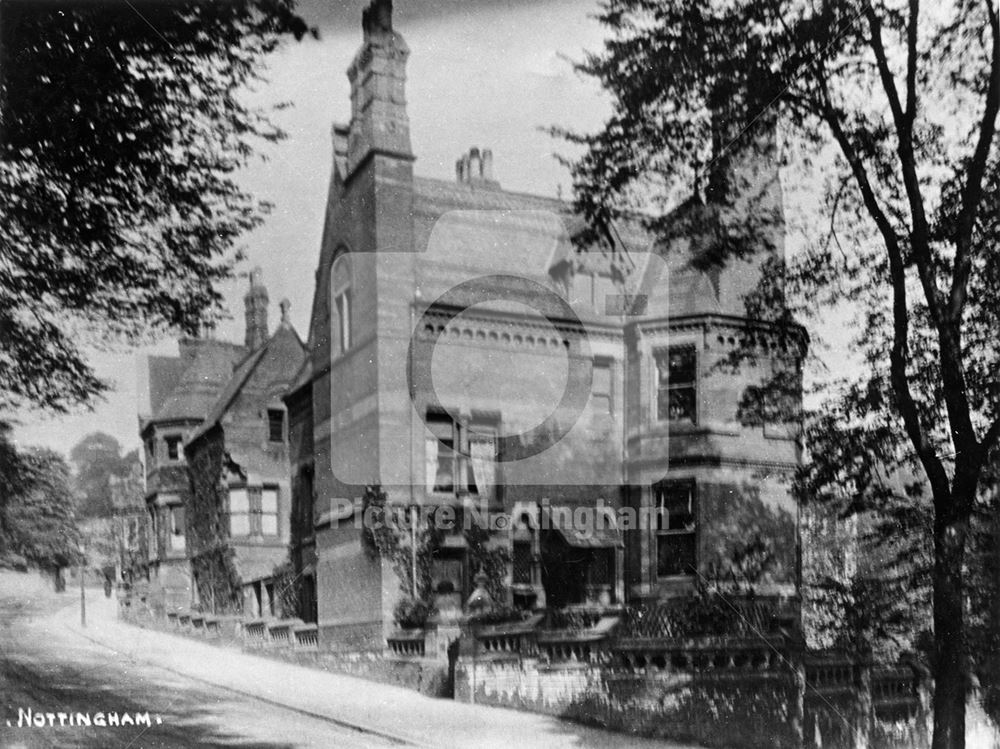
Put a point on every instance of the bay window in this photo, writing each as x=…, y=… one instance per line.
x=676, y=534
x=676, y=383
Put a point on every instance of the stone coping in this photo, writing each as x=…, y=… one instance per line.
x=407, y=635
x=504, y=629
x=703, y=642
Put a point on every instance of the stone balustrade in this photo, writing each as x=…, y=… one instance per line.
x=255, y=633
x=407, y=643
x=700, y=654
x=306, y=636
x=280, y=633
x=830, y=674
x=507, y=639
x=583, y=644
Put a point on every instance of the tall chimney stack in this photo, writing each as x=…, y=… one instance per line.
x=255, y=304
x=379, y=123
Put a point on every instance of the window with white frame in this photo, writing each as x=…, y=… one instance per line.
x=676, y=383
x=442, y=454
x=481, y=469
x=676, y=531
x=253, y=511
x=340, y=286
x=176, y=518
x=239, y=512
x=461, y=458
x=600, y=389
x=269, y=511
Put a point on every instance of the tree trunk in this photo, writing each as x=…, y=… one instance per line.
x=951, y=662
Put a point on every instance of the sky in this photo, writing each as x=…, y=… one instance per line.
x=486, y=73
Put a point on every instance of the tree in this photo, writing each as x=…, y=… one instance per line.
x=37, y=515
x=894, y=105
x=97, y=458
x=121, y=128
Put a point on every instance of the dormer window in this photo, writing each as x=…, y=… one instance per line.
x=341, y=297
x=676, y=384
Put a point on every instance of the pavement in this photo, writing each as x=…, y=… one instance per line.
x=315, y=707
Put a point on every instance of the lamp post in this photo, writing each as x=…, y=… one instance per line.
x=83, y=595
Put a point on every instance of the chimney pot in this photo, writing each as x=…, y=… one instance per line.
x=487, y=165
x=475, y=165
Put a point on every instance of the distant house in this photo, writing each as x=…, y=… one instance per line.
x=226, y=396
x=240, y=502
x=129, y=523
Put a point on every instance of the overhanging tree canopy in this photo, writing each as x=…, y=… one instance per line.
x=122, y=126
x=895, y=105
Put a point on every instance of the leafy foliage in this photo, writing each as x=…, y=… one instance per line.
x=220, y=586
x=492, y=560
x=287, y=590
x=37, y=520
x=97, y=458
x=390, y=531
x=410, y=613
x=888, y=112
x=123, y=127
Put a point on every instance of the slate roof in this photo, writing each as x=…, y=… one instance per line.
x=244, y=370
x=164, y=374
x=486, y=226
x=201, y=381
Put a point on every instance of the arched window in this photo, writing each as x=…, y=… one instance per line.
x=340, y=318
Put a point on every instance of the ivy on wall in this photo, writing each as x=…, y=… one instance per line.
x=212, y=557
x=492, y=561
x=287, y=590
x=218, y=582
x=388, y=532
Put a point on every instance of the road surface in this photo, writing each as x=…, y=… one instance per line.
x=163, y=690
x=45, y=671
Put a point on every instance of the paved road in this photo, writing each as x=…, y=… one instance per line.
x=197, y=694
x=46, y=670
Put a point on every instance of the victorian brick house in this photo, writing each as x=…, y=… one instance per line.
x=128, y=515
x=238, y=526
x=182, y=389
x=218, y=491
x=611, y=393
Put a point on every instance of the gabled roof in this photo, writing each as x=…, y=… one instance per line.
x=302, y=378
x=196, y=390
x=284, y=335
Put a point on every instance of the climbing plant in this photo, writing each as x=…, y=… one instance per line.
x=492, y=561
x=389, y=532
